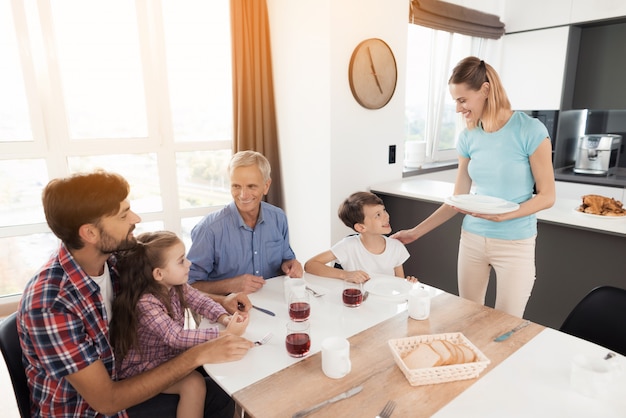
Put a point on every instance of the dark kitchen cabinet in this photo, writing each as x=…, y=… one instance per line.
x=570, y=261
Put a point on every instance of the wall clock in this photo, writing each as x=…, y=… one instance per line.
x=373, y=73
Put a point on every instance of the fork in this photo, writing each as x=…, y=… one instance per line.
x=265, y=339
x=315, y=294
x=387, y=410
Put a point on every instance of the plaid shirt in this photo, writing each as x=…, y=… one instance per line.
x=161, y=337
x=63, y=328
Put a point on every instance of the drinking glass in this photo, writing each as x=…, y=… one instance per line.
x=299, y=306
x=352, y=294
x=298, y=340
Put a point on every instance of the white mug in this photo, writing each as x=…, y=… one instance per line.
x=336, y=357
x=593, y=376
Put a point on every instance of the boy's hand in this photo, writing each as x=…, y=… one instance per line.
x=412, y=279
x=357, y=276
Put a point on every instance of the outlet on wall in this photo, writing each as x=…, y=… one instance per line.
x=392, y=154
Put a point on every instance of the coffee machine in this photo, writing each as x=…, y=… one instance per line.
x=597, y=154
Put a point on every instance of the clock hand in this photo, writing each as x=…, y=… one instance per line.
x=369, y=53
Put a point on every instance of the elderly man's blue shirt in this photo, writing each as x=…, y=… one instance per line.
x=223, y=246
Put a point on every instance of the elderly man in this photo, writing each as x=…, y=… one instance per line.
x=236, y=248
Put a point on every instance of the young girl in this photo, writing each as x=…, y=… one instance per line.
x=147, y=326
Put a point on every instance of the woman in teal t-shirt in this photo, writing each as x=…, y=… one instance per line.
x=503, y=154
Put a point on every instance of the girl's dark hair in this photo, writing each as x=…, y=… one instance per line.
x=351, y=210
x=473, y=72
x=135, y=267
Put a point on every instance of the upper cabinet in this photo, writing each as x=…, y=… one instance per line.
x=523, y=15
x=590, y=10
x=532, y=67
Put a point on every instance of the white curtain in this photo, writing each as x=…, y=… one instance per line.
x=441, y=46
x=441, y=57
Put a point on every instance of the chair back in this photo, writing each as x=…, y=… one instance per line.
x=600, y=317
x=12, y=352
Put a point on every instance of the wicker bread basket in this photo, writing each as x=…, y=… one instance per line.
x=441, y=374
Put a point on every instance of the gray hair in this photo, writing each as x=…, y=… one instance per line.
x=248, y=158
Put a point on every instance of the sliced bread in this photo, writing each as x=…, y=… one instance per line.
x=468, y=355
x=422, y=356
x=447, y=354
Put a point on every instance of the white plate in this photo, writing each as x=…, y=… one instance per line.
x=389, y=287
x=487, y=205
x=591, y=215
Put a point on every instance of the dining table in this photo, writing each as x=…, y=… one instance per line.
x=528, y=374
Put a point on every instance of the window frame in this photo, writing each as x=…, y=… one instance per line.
x=51, y=142
x=435, y=112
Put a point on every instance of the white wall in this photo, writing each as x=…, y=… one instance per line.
x=330, y=145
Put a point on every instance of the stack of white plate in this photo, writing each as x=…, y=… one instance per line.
x=487, y=205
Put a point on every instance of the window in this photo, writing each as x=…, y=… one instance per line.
x=430, y=114
x=128, y=86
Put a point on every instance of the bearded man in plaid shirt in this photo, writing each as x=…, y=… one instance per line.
x=63, y=317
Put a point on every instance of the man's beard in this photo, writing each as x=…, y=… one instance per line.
x=109, y=245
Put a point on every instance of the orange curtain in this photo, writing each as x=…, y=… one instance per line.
x=253, y=87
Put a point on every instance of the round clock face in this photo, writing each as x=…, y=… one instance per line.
x=373, y=73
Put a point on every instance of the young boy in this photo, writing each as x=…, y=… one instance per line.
x=366, y=253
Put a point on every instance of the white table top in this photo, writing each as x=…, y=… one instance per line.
x=535, y=382
x=328, y=318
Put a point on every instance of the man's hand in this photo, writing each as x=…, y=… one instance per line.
x=292, y=268
x=247, y=283
x=225, y=348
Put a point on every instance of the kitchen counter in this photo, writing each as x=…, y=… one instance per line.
x=435, y=187
x=574, y=252
x=617, y=178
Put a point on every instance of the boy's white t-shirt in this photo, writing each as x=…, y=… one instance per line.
x=352, y=255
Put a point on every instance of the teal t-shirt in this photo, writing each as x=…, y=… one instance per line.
x=499, y=166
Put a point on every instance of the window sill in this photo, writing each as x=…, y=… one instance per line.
x=430, y=168
x=8, y=304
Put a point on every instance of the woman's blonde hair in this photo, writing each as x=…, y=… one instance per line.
x=474, y=72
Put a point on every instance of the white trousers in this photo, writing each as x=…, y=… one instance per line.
x=514, y=264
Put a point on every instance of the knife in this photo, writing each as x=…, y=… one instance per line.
x=339, y=397
x=264, y=310
x=241, y=307
x=506, y=335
